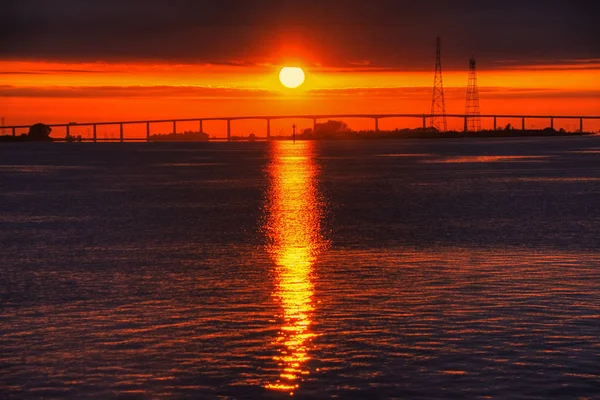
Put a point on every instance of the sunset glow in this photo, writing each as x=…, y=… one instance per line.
x=52, y=92
x=357, y=60
x=291, y=77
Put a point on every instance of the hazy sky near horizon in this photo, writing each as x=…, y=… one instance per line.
x=334, y=33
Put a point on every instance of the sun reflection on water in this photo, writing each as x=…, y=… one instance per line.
x=293, y=231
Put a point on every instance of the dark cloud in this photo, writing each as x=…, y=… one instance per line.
x=130, y=91
x=387, y=33
x=54, y=71
x=22, y=73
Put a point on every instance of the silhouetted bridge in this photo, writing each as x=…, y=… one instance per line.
x=315, y=118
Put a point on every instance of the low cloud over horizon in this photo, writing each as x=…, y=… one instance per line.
x=382, y=34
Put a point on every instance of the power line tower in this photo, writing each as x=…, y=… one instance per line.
x=473, y=119
x=438, y=106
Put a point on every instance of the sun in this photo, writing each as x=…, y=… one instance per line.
x=291, y=77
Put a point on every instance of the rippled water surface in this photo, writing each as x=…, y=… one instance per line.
x=401, y=269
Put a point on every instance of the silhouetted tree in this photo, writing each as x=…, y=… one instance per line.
x=331, y=127
x=39, y=132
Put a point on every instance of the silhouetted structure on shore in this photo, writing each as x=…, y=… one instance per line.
x=473, y=120
x=438, y=104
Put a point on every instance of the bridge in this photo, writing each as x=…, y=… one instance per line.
x=268, y=118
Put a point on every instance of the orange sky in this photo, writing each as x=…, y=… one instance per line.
x=52, y=92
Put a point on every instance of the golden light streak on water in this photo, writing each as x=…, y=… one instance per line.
x=293, y=230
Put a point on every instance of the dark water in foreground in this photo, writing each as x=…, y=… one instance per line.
x=406, y=269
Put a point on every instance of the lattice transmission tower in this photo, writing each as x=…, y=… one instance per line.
x=438, y=106
x=473, y=120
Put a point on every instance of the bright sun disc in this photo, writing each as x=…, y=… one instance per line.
x=291, y=77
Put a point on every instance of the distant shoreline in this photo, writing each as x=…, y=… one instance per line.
x=350, y=135
x=420, y=134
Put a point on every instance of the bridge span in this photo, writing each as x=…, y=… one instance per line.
x=268, y=118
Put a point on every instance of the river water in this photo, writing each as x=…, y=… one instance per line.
x=383, y=269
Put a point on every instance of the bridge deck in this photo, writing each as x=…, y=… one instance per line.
x=309, y=116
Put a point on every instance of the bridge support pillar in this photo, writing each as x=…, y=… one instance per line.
x=14, y=131
x=523, y=123
x=228, y=130
x=121, y=138
x=581, y=125
x=424, y=123
x=495, y=124
x=268, y=129
x=147, y=131
x=174, y=128
x=376, y=125
x=466, y=127
x=68, y=132
x=95, y=133
x=200, y=123
x=552, y=123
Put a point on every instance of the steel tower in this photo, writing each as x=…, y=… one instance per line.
x=473, y=119
x=438, y=106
